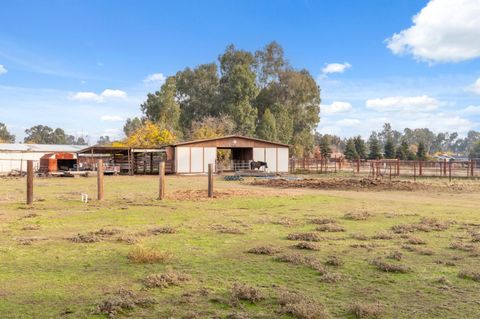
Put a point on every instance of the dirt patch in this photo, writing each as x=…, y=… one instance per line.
x=31, y=227
x=227, y=229
x=323, y=221
x=419, y=250
x=201, y=194
x=298, y=259
x=331, y=228
x=469, y=274
x=29, y=240
x=363, y=184
x=107, y=232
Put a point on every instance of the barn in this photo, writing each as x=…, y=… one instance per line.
x=13, y=157
x=227, y=153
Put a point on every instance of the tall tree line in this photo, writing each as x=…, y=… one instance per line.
x=407, y=145
x=255, y=94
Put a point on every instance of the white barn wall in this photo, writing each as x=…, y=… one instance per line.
x=196, y=158
x=271, y=159
x=209, y=157
x=282, y=159
x=259, y=154
x=182, y=155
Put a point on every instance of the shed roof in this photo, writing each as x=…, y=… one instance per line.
x=228, y=137
x=40, y=148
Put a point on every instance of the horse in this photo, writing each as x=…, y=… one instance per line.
x=258, y=165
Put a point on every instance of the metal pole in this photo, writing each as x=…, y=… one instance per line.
x=449, y=171
x=100, y=179
x=161, y=191
x=210, y=180
x=29, y=182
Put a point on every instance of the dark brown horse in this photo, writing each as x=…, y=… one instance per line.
x=257, y=165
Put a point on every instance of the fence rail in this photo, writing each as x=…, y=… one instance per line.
x=388, y=168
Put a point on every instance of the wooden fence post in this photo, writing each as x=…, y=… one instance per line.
x=210, y=180
x=161, y=173
x=358, y=165
x=100, y=179
x=445, y=167
x=472, y=165
x=449, y=171
x=29, y=182
x=420, y=168
x=398, y=167
x=414, y=171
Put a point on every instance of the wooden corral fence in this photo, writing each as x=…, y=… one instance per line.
x=388, y=167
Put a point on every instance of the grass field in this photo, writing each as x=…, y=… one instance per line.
x=131, y=256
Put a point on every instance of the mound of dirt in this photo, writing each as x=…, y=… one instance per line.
x=362, y=184
x=202, y=194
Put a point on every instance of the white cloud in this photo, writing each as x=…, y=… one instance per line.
x=403, y=103
x=348, y=122
x=155, y=77
x=112, y=118
x=336, y=68
x=475, y=87
x=105, y=95
x=471, y=110
x=336, y=107
x=443, y=31
x=3, y=70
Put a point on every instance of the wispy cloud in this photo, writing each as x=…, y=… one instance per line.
x=403, y=104
x=157, y=78
x=336, y=107
x=112, y=118
x=475, y=87
x=335, y=68
x=3, y=70
x=105, y=95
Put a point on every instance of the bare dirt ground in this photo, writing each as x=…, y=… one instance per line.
x=364, y=184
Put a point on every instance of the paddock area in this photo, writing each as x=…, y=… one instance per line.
x=253, y=251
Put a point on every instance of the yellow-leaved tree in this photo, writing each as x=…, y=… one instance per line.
x=149, y=135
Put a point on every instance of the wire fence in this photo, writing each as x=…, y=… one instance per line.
x=388, y=168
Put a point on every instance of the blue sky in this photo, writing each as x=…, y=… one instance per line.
x=86, y=66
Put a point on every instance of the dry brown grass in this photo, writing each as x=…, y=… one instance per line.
x=365, y=311
x=470, y=274
x=334, y=261
x=264, y=250
x=144, y=255
x=84, y=238
x=242, y=291
x=298, y=259
x=330, y=277
x=330, y=228
x=397, y=255
x=128, y=238
x=162, y=230
x=387, y=267
x=359, y=236
x=106, y=232
x=123, y=300
x=227, y=229
x=419, y=250
x=323, y=220
x=304, y=236
x=413, y=240
x=358, y=215
x=31, y=227
x=167, y=279
x=306, y=245
x=458, y=245
x=383, y=235
x=301, y=307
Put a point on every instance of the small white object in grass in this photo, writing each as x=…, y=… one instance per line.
x=84, y=198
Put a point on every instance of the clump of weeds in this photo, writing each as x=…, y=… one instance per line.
x=164, y=280
x=241, y=291
x=264, y=250
x=365, y=311
x=301, y=307
x=304, y=236
x=388, y=267
x=122, y=301
x=144, y=255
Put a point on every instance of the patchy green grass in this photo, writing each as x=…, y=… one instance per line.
x=52, y=268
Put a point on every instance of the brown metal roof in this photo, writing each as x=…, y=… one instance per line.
x=229, y=136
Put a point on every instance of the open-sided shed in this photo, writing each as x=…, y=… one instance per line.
x=194, y=156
